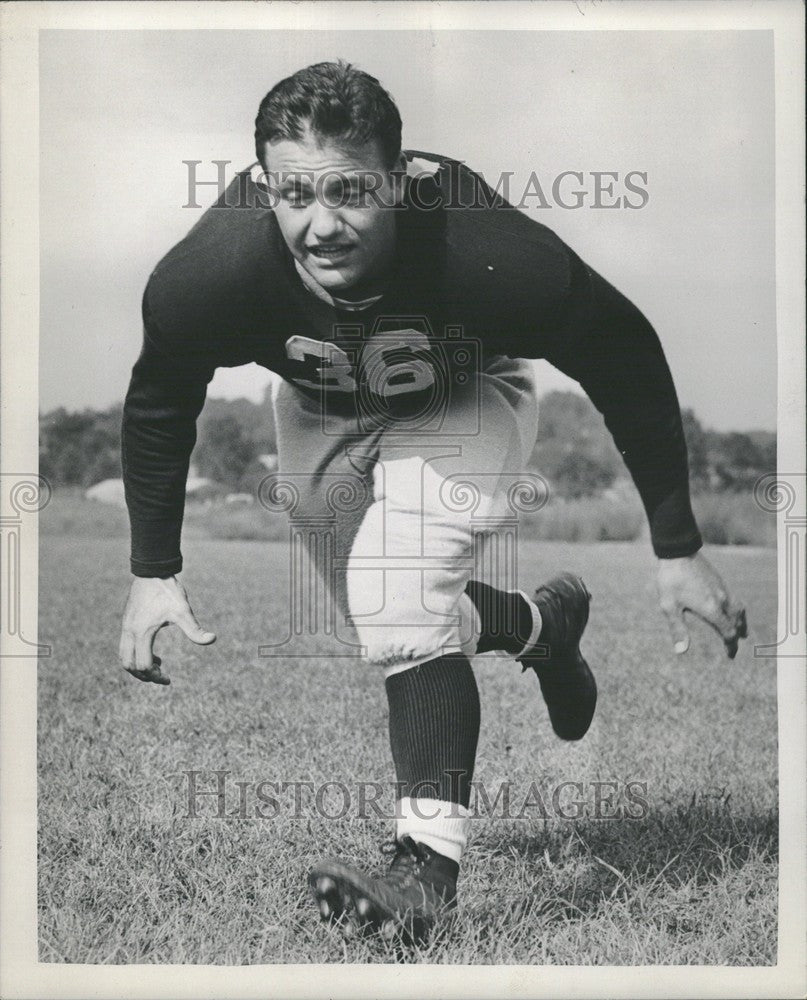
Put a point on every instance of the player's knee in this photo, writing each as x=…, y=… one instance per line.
x=414, y=633
x=392, y=612
x=398, y=644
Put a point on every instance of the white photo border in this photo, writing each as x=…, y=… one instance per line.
x=20, y=973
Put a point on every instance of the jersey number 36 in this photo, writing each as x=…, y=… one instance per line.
x=392, y=363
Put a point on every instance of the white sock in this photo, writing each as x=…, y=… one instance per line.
x=537, y=622
x=442, y=826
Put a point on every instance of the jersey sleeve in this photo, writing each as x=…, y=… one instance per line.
x=166, y=394
x=605, y=343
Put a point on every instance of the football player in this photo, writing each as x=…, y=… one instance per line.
x=397, y=296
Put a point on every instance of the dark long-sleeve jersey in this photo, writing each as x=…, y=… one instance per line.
x=229, y=294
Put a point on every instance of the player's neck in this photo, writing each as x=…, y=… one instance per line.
x=357, y=298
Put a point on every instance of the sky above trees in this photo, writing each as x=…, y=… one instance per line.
x=120, y=112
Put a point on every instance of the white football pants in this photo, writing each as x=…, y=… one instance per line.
x=414, y=516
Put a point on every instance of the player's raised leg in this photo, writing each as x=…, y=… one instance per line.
x=543, y=634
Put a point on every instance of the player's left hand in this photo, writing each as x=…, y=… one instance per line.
x=693, y=584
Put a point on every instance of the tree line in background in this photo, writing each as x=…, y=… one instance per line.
x=574, y=451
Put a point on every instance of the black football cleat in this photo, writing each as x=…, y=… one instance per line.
x=419, y=888
x=567, y=683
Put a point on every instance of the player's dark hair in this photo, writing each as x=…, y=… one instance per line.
x=335, y=101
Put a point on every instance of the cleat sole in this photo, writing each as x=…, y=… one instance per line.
x=362, y=909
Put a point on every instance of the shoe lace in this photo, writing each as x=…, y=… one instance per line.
x=408, y=858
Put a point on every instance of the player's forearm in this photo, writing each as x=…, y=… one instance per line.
x=615, y=355
x=158, y=435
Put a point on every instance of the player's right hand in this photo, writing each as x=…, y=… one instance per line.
x=154, y=603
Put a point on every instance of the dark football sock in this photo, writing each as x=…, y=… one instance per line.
x=434, y=728
x=505, y=618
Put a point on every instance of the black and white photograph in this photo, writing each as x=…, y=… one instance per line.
x=403, y=499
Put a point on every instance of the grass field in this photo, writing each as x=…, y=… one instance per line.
x=127, y=877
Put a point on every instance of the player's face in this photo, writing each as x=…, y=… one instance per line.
x=335, y=210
